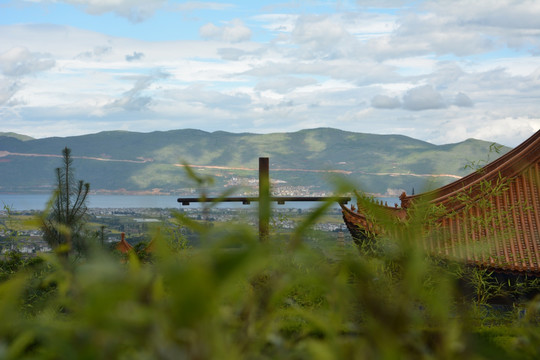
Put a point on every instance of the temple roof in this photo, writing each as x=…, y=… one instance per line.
x=489, y=218
x=509, y=165
x=123, y=246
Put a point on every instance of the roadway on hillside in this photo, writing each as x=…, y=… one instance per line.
x=145, y=160
x=140, y=161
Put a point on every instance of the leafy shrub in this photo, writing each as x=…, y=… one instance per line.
x=236, y=297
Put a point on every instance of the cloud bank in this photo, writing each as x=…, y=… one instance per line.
x=439, y=71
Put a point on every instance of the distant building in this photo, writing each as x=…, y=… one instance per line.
x=123, y=246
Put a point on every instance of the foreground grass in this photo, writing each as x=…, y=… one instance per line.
x=238, y=298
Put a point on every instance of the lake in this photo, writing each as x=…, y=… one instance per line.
x=22, y=202
x=38, y=202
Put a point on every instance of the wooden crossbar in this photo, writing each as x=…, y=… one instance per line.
x=264, y=198
x=246, y=200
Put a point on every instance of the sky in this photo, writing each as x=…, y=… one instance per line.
x=439, y=71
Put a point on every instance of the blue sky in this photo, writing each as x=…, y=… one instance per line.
x=440, y=71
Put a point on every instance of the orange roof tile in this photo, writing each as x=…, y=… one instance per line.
x=123, y=246
x=489, y=218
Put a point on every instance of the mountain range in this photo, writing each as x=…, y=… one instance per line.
x=300, y=162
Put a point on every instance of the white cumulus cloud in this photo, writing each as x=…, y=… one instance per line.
x=423, y=98
x=7, y=90
x=133, y=10
x=321, y=36
x=202, y=5
x=134, y=99
x=462, y=100
x=385, y=102
x=19, y=61
x=284, y=85
x=135, y=56
x=234, y=31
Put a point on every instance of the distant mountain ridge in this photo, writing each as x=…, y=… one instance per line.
x=116, y=161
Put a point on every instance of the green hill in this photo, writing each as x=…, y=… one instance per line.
x=303, y=160
x=16, y=136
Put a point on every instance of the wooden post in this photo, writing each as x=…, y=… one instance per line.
x=264, y=198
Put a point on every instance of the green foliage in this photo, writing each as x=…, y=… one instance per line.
x=16, y=136
x=475, y=165
x=239, y=298
x=63, y=224
x=9, y=233
x=12, y=262
x=235, y=297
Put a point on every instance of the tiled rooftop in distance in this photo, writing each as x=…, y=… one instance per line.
x=123, y=246
x=489, y=218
